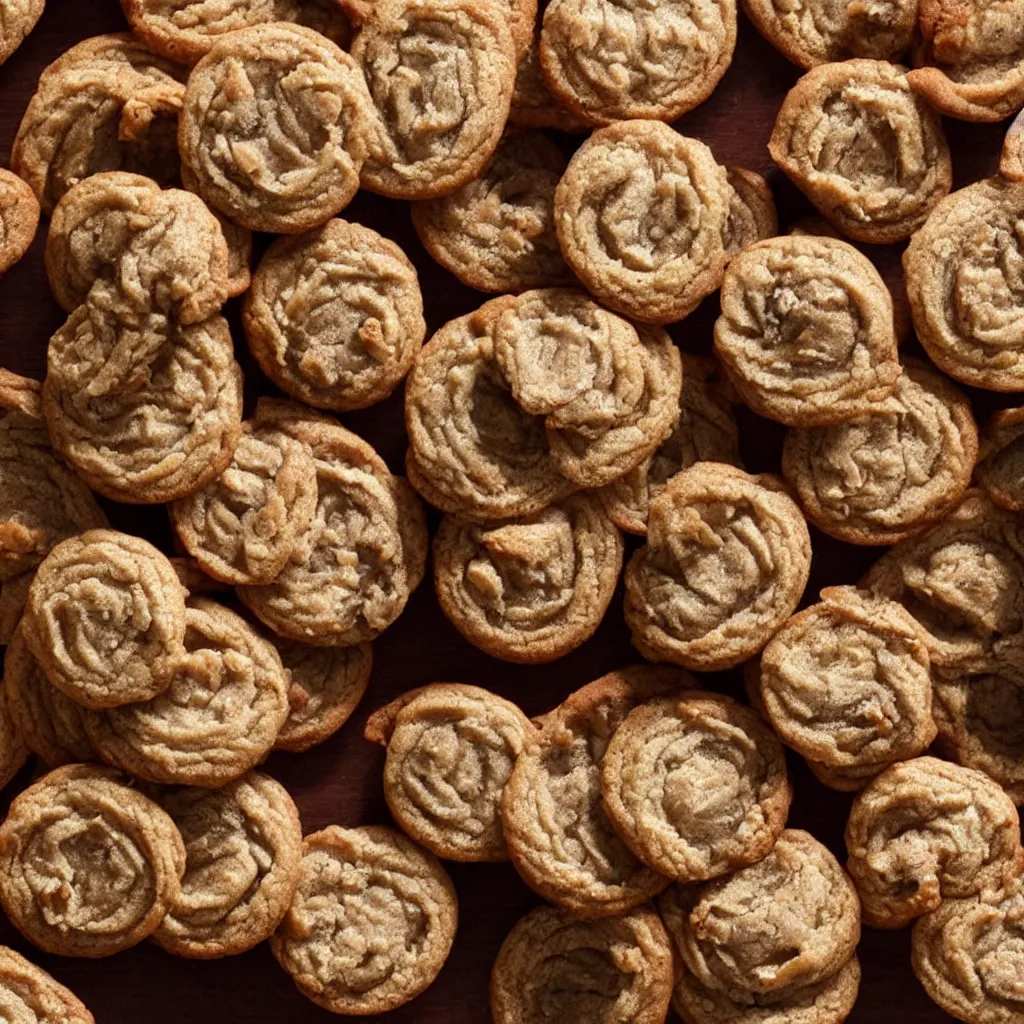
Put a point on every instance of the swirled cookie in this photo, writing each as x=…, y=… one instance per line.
x=327, y=683
x=219, y=716
x=806, y=332
x=888, y=475
x=472, y=450
x=335, y=316
x=864, y=148
x=243, y=844
x=19, y=213
x=275, y=125
x=433, y=138
x=752, y=215
x=926, y=830
x=614, y=61
x=17, y=19
x=963, y=271
x=534, y=105
x=28, y=995
x=695, y=785
x=1011, y=161
x=639, y=214
x=532, y=589
x=450, y=750
x=88, y=865
x=725, y=564
x=105, y=618
x=497, y=232
x=107, y=104
x=553, y=967
x=364, y=552
x=558, y=835
x=706, y=431
x=372, y=921
x=846, y=682
x=1000, y=468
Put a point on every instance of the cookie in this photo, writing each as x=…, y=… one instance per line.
x=107, y=104
x=533, y=105
x=806, y=331
x=219, y=716
x=1000, y=468
x=88, y=865
x=372, y=921
x=553, y=967
x=925, y=831
x=364, y=552
x=532, y=589
x=244, y=527
x=497, y=232
x=105, y=619
x=963, y=286
x=611, y=62
x=30, y=996
x=19, y=217
x=725, y=564
x=752, y=214
x=243, y=845
x=891, y=474
x=334, y=317
x=450, y=750
x=846, y=682
x=472, y=450
x=17, y=19
x=275, y=125
x=434, y=138
x=639, y=214
x=835, y=137
x=1011, y=161
x=695, y=785
x=327, y=683
x=558, y=835
x=239, y=242
x=193, y=579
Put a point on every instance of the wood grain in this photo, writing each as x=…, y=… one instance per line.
x=340, y=781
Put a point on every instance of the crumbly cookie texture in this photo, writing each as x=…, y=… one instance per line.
x=17, y=19
x=836, y=137
x=1000, y=468
x=19, y=216
x=30, y=996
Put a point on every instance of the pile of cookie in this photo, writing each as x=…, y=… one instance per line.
x=647, y=811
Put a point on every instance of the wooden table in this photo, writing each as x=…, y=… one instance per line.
x=340, y=781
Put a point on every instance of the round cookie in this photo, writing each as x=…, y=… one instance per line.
x=924, y=831
x=553, y=967
x=1000, y=468
x=725, y=564
x=334, y=317
x=695, y=785
x=533, y=105
x=19, y=218
x=865, y=149
x=28, y=995
x=752, y=214
x=806, y=331
x=1011, y=161
x=61, y=835
x=533, y=589
x=372, y=921
x=639, y=214
x=243, y=845
x=450, y=750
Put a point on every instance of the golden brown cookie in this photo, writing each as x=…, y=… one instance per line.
x=640, y=213
x=372, y=921
x=107, y=104
x=614, y=61
x=17, y=19
x=553, y=967
x=532, y=589
x=327, y=683
x=275, y=125
x=334, y=317
x=725, y=564
x=434, y=137
x=243, y=845
x=695, y=785
x=925, y=831
x=88, y=865
x=558, y=835
x=219, y=716
x=962, y=271
x=450, y=750
x=28, y=995
x=752, y=215
x=806, y=332
x=533, y=105
x=865, y=149
x=891, y=474
x=19, y=211
x=105, y=618
x=1011, y=162
x=497, y=232
x=846, y=682
x=1000, y=468
x=239, y=241
x=364, y=552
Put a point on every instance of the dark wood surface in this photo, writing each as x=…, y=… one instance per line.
x=340, y=781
